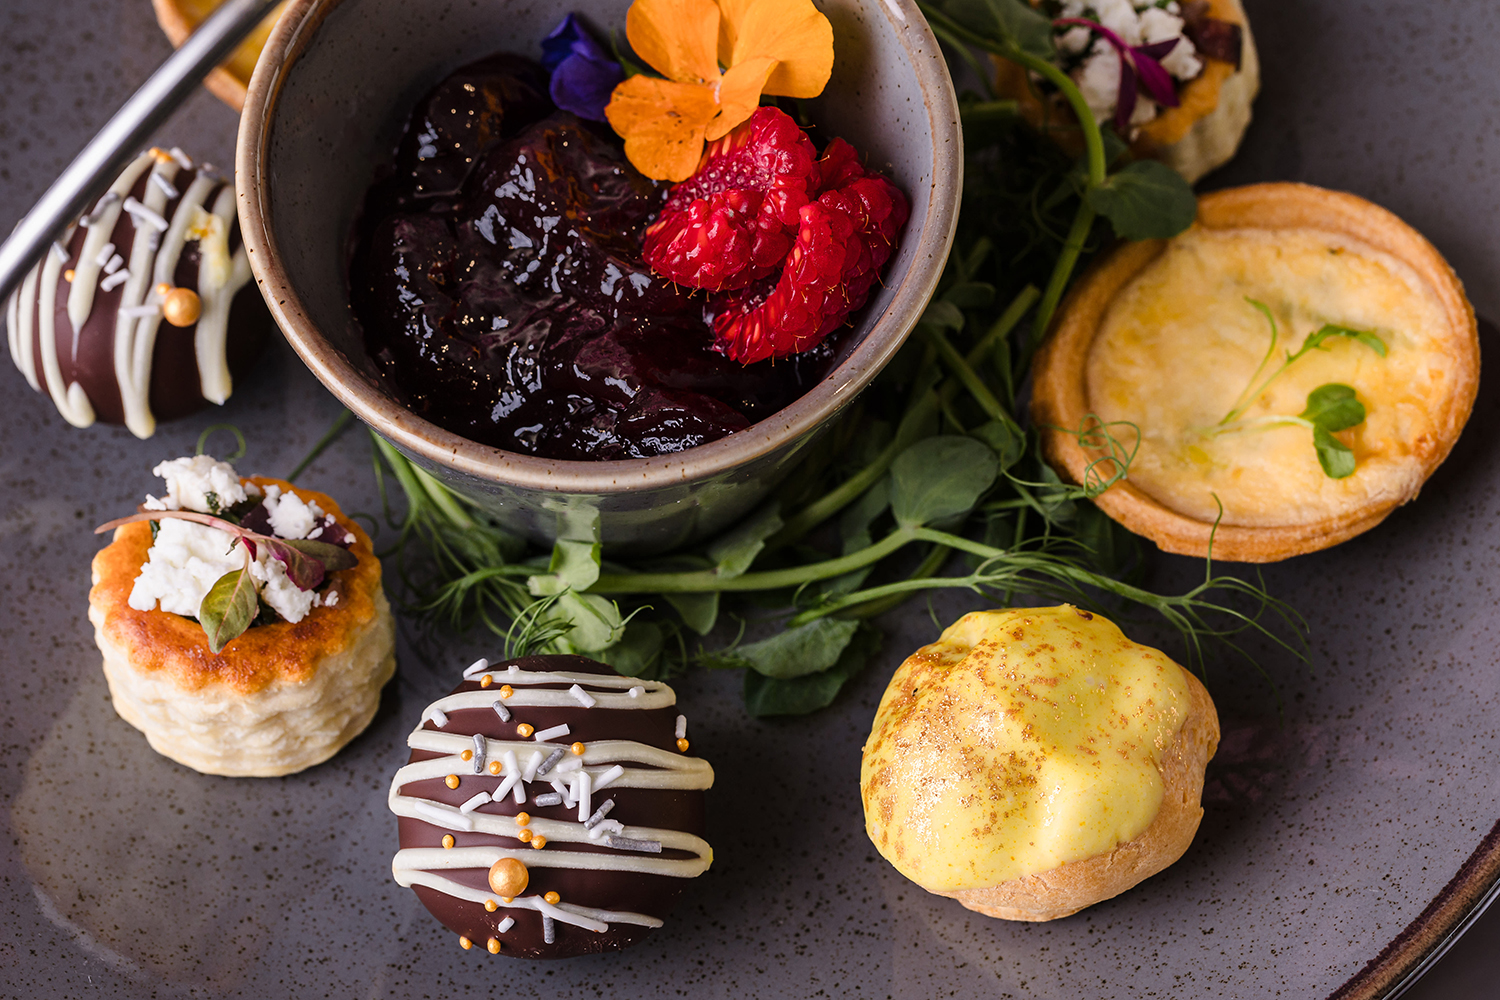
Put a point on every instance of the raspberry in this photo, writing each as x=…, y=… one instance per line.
x=843, y=239
x=735, y=219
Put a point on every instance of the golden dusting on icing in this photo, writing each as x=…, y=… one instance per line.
x=1019, y=741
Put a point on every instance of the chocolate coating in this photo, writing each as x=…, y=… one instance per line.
x=650, y=894
x=500, y=284
x=89, y=360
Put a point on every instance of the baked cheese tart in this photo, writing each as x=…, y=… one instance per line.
x=1169, y=346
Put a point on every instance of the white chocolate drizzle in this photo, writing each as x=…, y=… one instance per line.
x=575, y=780
x=31, y=315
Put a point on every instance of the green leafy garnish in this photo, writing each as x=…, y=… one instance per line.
x=1330, y=408
x=229, y=607
x=1145, y=200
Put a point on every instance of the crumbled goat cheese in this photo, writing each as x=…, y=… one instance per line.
x=190, y=480
x=1137, y=22
x=1157, y=26
x=187, y=558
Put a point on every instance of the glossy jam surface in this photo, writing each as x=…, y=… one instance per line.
x=1020, y=741
x=499, y=282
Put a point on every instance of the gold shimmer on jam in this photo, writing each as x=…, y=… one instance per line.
x=499, y=853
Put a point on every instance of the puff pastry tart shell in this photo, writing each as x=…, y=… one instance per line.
x=1288, y=245
x=279, y=698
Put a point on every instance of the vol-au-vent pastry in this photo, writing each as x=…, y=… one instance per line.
x=1293, y=367
x=550, y=808
x=143, y=311
x=242, y=621
x=1035, y=761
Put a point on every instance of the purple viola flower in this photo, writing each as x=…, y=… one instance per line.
x=583, y=75
x=1140, y=66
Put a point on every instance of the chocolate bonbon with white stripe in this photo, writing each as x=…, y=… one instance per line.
x=481, y=797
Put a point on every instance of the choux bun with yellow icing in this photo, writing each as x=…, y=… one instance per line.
x=1035, y=761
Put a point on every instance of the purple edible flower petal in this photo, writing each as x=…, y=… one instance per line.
x=1138, y=64
x=1154, y=76
x=583, y=75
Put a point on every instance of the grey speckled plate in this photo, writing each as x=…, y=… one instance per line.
x=1341, y=847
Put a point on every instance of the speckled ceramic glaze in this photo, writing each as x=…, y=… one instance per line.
x=326, y=105
x=1344, y=841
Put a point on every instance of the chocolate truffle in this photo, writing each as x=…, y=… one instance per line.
x=128, y=318
x=550, y=809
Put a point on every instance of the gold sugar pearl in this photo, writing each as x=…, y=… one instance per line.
x=553, y=898
x=577, y=748
x=509, y=877
x=525, y=729
x=465, y=943
x=181, y=307
x=486, y=681
x=682, y=745
x=162, y=288
x=522, y=818
x=448, y=840
x=491, y=905
x=451, y=781
x=507, y=900
x=494, y=767
x=466, y=755
x=524, y=836
x=494, y=946
x=68, y=275
x=538, y=841
x=506, y=690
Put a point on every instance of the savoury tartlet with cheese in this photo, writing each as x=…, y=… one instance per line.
x=1163, y=342
x=1035, y=761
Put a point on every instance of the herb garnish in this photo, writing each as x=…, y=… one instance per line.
x=1330, y=408
x=231, y=606
x=931, y=480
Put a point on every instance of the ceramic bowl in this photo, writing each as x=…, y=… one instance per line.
x=325, y=107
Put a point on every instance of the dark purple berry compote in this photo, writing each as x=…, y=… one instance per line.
x=499, y=280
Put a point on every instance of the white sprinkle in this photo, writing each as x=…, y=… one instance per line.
x=479, y=666
x=582, y=697
x=139, y=312
x=682, y=727
x=546, y=734
x=60, y=252
x=444, y=817
x=529, y=772
x=438, y=717
x=599, y=814
x=606, y=826
x=105, y=254
x=118, y=278
x=519, y=793
x=636, y=692
x=501, y=711
x=571, y=764
x=182, y=158
x=631, y=844
x=153, y=241
x=505, y=924
x=585, y=783
x=114, y=264
x=481, y=751
x=141, y=214
x=549, y=930
x=110, y=197
x=474, y=802
x=609, y=777
x=549, y=799
x=552, y=758
x=560, y=788
x=165, y=185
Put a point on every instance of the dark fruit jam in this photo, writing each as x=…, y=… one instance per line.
x=499, y=281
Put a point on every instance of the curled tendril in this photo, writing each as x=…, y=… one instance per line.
x=239, y=437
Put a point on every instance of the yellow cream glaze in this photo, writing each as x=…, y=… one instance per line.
x=1179, y=344
x=1020, y=741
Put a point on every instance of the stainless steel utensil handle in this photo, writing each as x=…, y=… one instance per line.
x=93, y=169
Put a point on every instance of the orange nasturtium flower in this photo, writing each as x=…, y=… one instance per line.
x=779, y=47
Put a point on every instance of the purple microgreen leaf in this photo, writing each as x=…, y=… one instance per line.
x=303, y=570
x=1155, y=78
x=229, y=607
x=1159, y=50
x=1125, y=102
x=249, y=545
x=258, y=520
x=333, y=557
x=163, y=515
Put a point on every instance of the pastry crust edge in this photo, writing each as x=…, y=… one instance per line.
x=1066, y=889
x=1060, y=396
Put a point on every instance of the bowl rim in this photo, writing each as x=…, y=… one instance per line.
x=423, y=439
